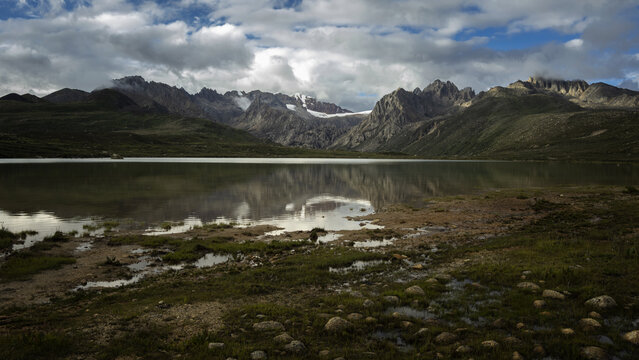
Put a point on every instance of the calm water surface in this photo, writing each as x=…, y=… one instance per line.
x=295, y=194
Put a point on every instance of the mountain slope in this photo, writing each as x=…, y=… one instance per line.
x=503, y=124
x=399, y=109
x=108, y=122
x=272, y=117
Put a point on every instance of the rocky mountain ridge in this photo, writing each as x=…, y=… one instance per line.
x=400, y=109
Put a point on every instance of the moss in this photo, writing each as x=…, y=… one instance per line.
x=35, y=345
x=22, y=265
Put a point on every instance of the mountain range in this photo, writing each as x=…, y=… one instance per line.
x=538, y=118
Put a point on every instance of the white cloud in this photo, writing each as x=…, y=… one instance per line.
x=342, y=51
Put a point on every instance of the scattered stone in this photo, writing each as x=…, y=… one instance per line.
x=283, y=338
x=370, y=320
x=324, y=353
x=511, y=340
x=258, y=355
x=539, y=304
x=605, y=340
x=445, y=338
x=589, y=324
x=443, y=277
x=594, y=353
x=545, y=313
x=463, y=349
x=396, y=315
x=216, y=345
x=368, y=303
x=355, y=316
x=460, y=331
x=399, y=256
x=260, y=316
x=414, y=303
x=415, y=290
x=520, y=325
x=539, y=350
x=517, y=356
x=552, y=294
x=632, y=336
x=422, y=332
x=295, y=347
x=568, y=331
x=526, y=272
x=432, y=281
x=499, y=323
x=601, y=302
x=336, y=324
x=406, y=324
x=391, y=299
x=527, y=285
x=268, y=326
x=417, y=267
x=594, y=315
x=491, y=344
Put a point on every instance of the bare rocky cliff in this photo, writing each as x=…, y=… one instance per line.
x=400, y=108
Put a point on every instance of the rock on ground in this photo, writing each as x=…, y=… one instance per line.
x=594, y=353
x=336, y=324
x=415, y=290
x=445, y=338
x=589, y=324
x=552, y=294
x=268, y=326
x=258, y=355
x=490, y=344
x=283, y=338
x=601, y=302
x=632, y=336
x=296, y=347
x=527, y=285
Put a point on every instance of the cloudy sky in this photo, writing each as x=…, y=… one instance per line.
x=350, y=52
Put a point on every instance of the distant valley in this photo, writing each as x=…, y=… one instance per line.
x=537, y=119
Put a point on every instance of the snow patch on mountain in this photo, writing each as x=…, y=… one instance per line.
x=243, y=102
x=322, y=115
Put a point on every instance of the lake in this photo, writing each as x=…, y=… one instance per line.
x=296, y=194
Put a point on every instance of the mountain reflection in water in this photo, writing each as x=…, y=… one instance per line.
x=301, y=193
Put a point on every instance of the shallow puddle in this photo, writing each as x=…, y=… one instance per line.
x=357, y=266
x=212, y=259
x=410, y=312
x=373, y=243
x=329, y=237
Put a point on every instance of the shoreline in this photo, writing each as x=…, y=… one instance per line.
x=447, y=281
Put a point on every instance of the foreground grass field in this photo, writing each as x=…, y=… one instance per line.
x=501, y=275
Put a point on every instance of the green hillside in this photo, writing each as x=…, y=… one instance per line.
x=506, y=125
x=108, y=124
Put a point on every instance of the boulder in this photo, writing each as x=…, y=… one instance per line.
x=632, y=336
x=336, y=324
x=552, y=294
x=602, y=302
x=445, y=338
x=268, y=326
x=594, y=353
x=415, y=290
x=295, y=347
x=527, y=285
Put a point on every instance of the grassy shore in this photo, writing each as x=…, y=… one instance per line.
x=491, y=276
